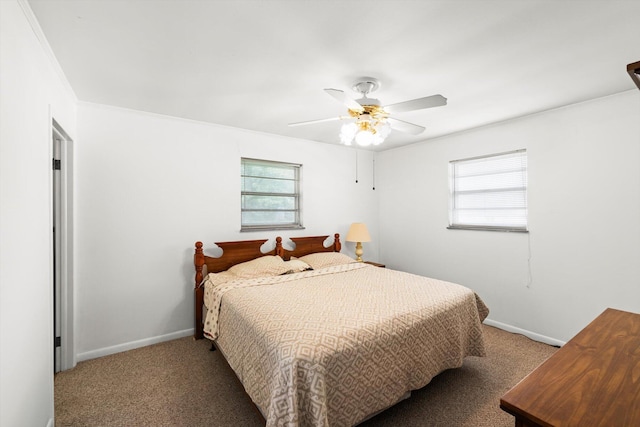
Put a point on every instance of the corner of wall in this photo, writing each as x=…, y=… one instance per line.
x=37, y=31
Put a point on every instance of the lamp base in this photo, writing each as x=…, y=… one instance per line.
x=359, y=251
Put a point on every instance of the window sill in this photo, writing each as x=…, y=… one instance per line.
x=271, y=228
x=487, y=228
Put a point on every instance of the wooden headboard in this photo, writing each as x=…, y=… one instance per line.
x=245, y=250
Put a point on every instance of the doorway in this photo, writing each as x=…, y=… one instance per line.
x=62, y=250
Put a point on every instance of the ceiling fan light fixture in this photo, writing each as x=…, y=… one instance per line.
x=365, y=132
x=383, y=129
x=365, y=138
x=348, y=133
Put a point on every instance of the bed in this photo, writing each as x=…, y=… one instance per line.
x=318, y=339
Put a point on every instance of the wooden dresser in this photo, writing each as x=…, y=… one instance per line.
x=593, y=380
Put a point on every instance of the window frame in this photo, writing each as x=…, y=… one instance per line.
x=486, y=227
x=297, y=195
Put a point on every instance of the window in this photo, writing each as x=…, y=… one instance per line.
x=489, y=192
x=270, y=195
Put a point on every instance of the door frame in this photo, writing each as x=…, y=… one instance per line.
x=65, y=234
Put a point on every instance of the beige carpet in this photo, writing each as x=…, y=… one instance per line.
x=182, y=383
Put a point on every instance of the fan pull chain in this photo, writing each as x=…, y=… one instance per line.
x=356, y=166
x=374, y=173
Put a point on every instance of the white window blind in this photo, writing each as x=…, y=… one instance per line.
x=270, y=194
x=489, y=192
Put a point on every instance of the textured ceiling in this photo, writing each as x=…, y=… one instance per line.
x=260, y=65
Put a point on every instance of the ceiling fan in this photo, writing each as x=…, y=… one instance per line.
x=368, y=121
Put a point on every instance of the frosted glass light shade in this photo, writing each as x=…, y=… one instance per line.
x=348, y=132
x=382, y=132
x=364, y=138
x=364, y=133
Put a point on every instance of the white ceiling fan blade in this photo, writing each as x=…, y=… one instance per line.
x=310, y=122
x=342, y=97
x=416, y=104
x=405, y=127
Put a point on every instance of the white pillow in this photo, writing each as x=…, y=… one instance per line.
x=268, y=265
x=326, y=259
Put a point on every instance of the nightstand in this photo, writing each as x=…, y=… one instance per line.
x=375, y=263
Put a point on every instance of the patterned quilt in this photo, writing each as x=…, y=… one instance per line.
x=330, y=347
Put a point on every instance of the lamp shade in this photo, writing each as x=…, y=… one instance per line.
x=358, y=233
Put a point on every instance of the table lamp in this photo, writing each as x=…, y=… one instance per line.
x=358, y=233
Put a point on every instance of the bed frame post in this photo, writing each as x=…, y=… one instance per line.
x=337, y=246
x=279, y=248
x=198, y=260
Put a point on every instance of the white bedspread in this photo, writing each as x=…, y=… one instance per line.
x=330, y=347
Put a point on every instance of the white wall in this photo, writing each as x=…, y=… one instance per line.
x=32, y=92
x=584, y=217
x=150, y=186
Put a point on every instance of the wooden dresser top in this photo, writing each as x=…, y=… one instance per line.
x=593, y=380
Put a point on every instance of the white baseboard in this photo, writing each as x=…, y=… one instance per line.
x=93, y=354
x=528, y=334
x=187, y=332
